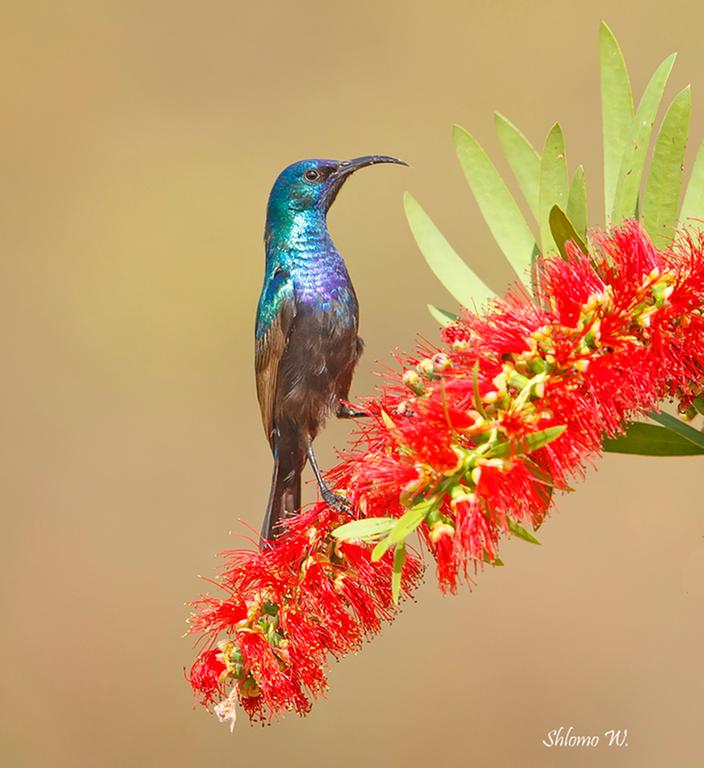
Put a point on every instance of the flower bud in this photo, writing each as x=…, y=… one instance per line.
x=461, y=494
x=441, y=362
x=414, y=382
x=439, y=530
x=426, y=368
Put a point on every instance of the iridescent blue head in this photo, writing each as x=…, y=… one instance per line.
x=310, y=187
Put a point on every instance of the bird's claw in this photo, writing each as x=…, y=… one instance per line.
x=339, y=503
x=345, y=412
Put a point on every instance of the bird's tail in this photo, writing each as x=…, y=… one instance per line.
x=285, y=494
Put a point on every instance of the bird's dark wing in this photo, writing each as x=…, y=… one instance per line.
x=277, y=310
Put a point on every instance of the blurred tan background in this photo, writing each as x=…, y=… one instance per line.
x=139, y=143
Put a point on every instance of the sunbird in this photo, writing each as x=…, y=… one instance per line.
x=306, y=341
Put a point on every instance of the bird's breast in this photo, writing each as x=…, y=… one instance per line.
x=324, y=286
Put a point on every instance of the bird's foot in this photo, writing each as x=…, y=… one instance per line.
x=339, y=503
x=345, y=412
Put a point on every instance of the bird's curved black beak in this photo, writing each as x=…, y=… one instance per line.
x=347, y=167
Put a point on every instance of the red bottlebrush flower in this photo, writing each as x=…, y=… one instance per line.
x=464, y=447
x=289, y=608
x=441, y=541
x=206, y=673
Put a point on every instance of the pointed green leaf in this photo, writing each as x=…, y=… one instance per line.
x=563, y=231
x=577, y=202
x=478, y=404
x=520, y=532
x=404, y=526
x=544, y=486
x=523, y=159
x=388, y=421
x=399, y=562
x=459, y=279
x=540, y=474
x=441, y=316
x=529, y=443
x=679, y=427
x=497, y=561
x=554, y=184
x=394, y=431
x=616, y=111
x=380, y=549
x=408, y=522
x=636, y=149
x=699, y=405
x=651, y=440
x=693, y=205
x=367, y=527
x=662, y=192
x=499, y=209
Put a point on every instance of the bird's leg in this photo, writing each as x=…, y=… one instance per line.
x=329, y=497
x=345, y=412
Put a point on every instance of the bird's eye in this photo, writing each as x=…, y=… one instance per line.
x=312, y=175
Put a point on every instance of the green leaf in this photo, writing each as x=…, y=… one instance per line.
x=441, y=316
x=679, y=427
x=388, y=421
x=529, y=443
x=662, y=192
x=636, y=149
x=366, y=527
x=520, y=532
x=497, y=561
x=540, y=474
x=478, y=404
x=544, y=488
x=651, y=440
x=563, y=231
x=693, y=205
x=554, y=184
x=523, y=159
x=408, y=522
x=499, y=209
x=577, y=202
x=616, y=111
x=393, y=430
x=399, y=562
x=404, y=526
x=699, y=405
x=380, y=550
x=459, y=279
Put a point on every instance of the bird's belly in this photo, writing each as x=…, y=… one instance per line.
x=317, y=365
